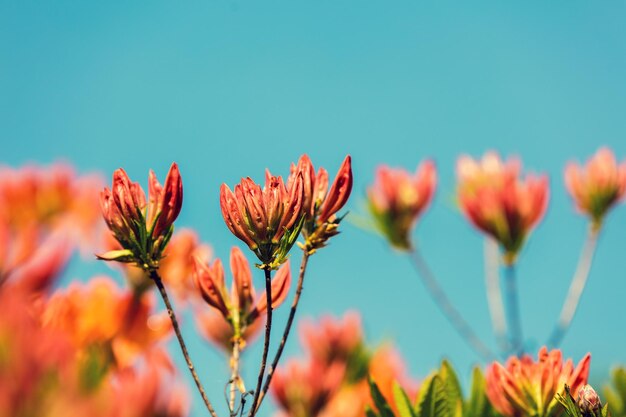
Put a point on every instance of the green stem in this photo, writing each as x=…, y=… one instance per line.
x=447, y=308
x=513, y=311
x=494, y=293
x=576, y=288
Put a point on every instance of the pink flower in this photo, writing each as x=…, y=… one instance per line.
x=240, y=306
x=397, y=199
x=500, y=203
x=142, y=229
x=597, y=186
x=321, y=205
x=267, y=219
x=524, y=387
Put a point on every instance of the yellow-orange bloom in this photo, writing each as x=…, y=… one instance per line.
x=597, y=186
x=240, y=307
x=397, y=199
x=524, y=387
x=99, y=313
x=499, y=202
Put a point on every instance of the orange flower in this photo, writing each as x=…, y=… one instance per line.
x=500, y=203
x=143, y=229
x=267, y=219
x=397, y=199
x=597, y=186
x=319, y=204
x=240, y=307
x=45, y=213
x=330, y=339
x=524, y=387
x=177, y=265
x=98, y=313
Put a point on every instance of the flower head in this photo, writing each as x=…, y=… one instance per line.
x=267, y=219
x=142, y=229
x=397, y=199
x=240, y=307
x=597, y=186
x=524, y=387
x=588, y=400
x=500, y=203
x=320, y=205
x=330, y=339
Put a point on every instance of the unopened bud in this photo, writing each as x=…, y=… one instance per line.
x=588, y=400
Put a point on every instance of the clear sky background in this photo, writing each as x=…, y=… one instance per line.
x=228, y=88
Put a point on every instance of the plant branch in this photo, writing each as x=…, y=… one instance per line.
x=494, y=294
x=234, y=376
x=576, y=288
x=266, y=344
x=516, y=337
x=154, y=275
x=283, y=340
x=447, y=308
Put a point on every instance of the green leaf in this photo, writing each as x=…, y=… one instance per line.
x=432, y=402
x=454, y=395
x=605, y=411
x=402, y=401
x=369, y=412
x=379, y=400
x=477, y=405
x=567, y=401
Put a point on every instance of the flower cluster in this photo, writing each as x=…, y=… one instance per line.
x=333, y=379
x=598, y=186
x=240, y=310
x=499, y=202
x=397, y=199
x=524, y=387
x=270, y=219
x=143, y=228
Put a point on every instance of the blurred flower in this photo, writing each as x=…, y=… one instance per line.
x=45, y=213
x=240, y=307
x=597, y=186
x=497, y=201
x=148, y=393
x=397, y=199
x=329, y=340
x=386, y=368
x=177, y=265
x=302, y=389
x=267, y=219
x=524, y=387
x=332, y=381
x=588, y=400
x=320, y=205
x=142, y=229
x=99, y=314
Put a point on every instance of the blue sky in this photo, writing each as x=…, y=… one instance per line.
x=227, y=88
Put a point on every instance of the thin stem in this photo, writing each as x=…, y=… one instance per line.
x=576, y=287
x=283, y=340
x=234, y=376
x=513, y=312
x=170, y=311
x=266, y=344
x=447, y=308
x=494, y=294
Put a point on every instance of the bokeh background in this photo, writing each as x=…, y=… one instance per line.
x=228, y=88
